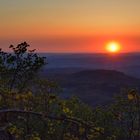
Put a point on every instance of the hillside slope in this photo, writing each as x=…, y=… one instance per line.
x=95, y=86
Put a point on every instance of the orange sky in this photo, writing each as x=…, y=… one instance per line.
x=70, y=25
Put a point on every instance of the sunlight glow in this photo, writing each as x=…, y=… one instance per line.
x=113, y=47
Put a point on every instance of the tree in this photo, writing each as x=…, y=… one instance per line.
x=29, y=109
x=20, y=67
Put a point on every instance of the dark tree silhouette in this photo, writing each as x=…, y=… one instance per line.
x=18, y=68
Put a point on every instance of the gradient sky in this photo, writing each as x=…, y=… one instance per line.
x=70, y=25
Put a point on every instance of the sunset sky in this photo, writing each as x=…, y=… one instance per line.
x=70, y=25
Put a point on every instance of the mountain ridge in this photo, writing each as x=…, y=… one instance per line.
x=95, y=86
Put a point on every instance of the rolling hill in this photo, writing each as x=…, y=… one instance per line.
x=94, y=86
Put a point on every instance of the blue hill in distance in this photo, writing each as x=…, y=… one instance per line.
x=94, y=78
x=128, y=63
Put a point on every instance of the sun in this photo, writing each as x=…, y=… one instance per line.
x=113, y=47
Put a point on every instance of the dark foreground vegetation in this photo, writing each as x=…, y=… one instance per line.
x=30, y=108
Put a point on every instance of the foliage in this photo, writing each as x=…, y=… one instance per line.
x=18, y=68
x=30, y=108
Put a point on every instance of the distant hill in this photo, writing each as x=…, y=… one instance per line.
x=95, y=86
x=106, y=76
x=125, y=62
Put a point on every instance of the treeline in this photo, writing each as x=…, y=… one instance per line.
x=30, y=108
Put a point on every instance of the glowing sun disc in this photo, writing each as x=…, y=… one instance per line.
x=113, y=47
